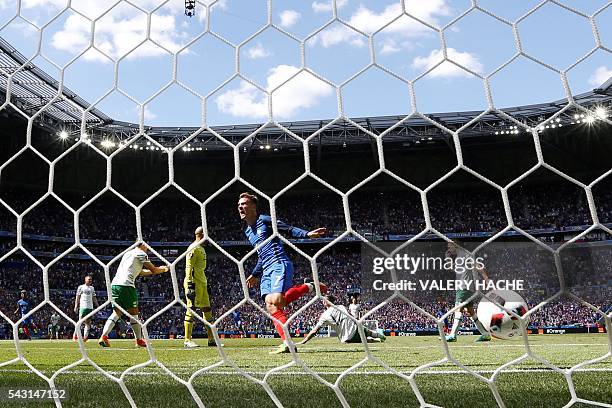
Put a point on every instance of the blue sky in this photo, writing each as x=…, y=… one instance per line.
x=337, y=56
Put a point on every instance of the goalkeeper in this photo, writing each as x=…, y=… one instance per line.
x=196, y=289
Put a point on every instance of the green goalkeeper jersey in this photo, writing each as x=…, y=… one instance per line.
x=195, y=264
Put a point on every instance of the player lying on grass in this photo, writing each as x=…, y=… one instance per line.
x=273, y=265
x=455, y=252
x=338, y=318
x=196, y=289
x=84, y=303
x=134, y=263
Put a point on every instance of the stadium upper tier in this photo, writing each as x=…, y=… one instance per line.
x=33, y=91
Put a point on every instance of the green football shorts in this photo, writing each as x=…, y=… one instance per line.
x=462, y=296
x=125, y=296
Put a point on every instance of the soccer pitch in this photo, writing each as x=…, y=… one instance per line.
x=526, y=384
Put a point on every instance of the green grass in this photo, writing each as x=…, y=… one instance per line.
x=527, y=384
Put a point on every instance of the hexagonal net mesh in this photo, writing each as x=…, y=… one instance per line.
x=65, y=108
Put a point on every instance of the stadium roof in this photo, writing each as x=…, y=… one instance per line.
x=32, y=89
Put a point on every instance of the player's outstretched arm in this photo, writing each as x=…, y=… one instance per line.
x=308, y=337
x=317, y=233
x=296, y=232
x=311, y=334
x=150, y=269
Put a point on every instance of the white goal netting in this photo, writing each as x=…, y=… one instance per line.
x=10, y=77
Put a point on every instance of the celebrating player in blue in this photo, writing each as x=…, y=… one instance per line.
x=273, y=265
x=238, y=322
x=23, y=307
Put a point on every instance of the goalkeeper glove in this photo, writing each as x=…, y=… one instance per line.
x=191, y=293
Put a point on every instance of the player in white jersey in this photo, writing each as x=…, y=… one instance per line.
x=84, y=303
x=338, y=318
x=134, y=263
x=53, y=327
x=354, y=307
x=459, y=255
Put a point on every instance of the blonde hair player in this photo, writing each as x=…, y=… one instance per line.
x=196, y=289
x=273, y=265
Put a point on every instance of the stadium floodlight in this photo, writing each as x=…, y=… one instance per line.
x=268, y=147
x=107, y=144
x=63, y=135
x=190, y=8
x=601, y=112
x=590, y=119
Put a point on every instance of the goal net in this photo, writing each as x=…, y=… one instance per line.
x=87, y=233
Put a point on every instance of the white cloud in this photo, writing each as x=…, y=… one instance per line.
x=337, y=34
x=120, y=30
x=601, y=75
x=301, y=92
x=149, y=115
x=389, y=47
x=447, y=69
x=289, y=18
x=258, y=52
x=325, y=6
x=26, y=4
x=245, y=101
x=369, y=21
x=222, y=4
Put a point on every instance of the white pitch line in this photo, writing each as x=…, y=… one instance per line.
x=292, y=373
x=331, y=350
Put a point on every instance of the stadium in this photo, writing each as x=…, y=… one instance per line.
x=527, y=187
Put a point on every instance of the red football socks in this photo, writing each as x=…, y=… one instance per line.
x=296, y=292
x=280, y=318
